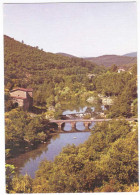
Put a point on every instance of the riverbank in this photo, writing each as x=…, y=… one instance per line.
x=23, y=132
x=106, y=162
x=28, y=162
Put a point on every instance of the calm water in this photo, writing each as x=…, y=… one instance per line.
x=81, y=110
x=29, y=162
x=79, y=126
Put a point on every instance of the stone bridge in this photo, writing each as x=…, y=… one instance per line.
x=86, y=123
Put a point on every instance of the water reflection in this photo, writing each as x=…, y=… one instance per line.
x=29, y=162
x=23, y=159
x=55, y=136
x=79, y=110
x=79, y=126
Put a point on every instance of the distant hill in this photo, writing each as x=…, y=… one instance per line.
x=132, y=54
x=125, y=61
x=108, y=60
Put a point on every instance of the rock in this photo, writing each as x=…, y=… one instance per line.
x=107, y=101
x=91, y=99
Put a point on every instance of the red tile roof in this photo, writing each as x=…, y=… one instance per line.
x=22, y=89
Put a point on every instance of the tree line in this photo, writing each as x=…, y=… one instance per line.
x=62, y=81
x=22, y=131
x=106, y=162
x=45, y=72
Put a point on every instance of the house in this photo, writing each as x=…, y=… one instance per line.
x=22, y=97
x=120, y=70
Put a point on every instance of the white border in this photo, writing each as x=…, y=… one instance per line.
x=2, y=135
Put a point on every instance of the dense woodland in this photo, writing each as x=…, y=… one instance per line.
x=108, y=160
x=50, y=75
x=22, y=131
x=62, y=81
x=123, y=88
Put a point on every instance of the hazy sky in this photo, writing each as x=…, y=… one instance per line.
x=81, y=29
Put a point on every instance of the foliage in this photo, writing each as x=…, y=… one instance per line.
x=135, y=107
x=10, y=171
x=8, y=102
x=61, y=81
x=22, y=184
x=122, y=86
x=21, y=130
x=113, y=68
x=27, y=66
x=106, y=162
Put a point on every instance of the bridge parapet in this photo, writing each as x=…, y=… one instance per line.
x=86, y=122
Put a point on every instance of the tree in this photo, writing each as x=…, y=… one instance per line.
x=121, y=161
x=113, y=68
x=10, y=171
x=22, y=184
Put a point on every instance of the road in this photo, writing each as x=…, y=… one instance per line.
x=90, y=120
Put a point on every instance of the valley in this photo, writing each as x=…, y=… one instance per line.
x=66, y=88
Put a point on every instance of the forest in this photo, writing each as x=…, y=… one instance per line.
x=108, y=160
x=63, y=82
x=46, y=73
x=23, y=131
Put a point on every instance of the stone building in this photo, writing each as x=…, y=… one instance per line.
x=22, y=97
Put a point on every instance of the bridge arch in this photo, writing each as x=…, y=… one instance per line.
x=67, y=125
x=73, y=125
x=81, y=126
x=87, y=123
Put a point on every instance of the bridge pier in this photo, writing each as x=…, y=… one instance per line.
x=59, y=127
x=86, y=125
x=86, y=122
x=73, y=126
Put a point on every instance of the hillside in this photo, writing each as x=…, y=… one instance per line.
x=67, y=55
x=108, y=60
x=126, y=61
x=23, y=63
x=48, y=74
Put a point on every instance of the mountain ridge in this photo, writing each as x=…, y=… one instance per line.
x=109, y=60
x=132, y=54
x=124, y=61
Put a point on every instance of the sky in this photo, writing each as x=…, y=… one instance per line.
x=80, y=29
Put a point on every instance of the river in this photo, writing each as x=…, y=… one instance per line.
x=80, y=110
x=29, y=161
